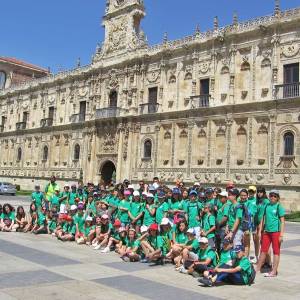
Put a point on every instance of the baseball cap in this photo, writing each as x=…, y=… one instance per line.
x=149, y=195
x=234, y=192
x=56, y=189
x=152, y=188
x=117, y=223
x=127, y=193
x=191, y=231
x=136, y=193
x=37, y=186
x=80, y=205
x=176, y=191
x=227, y=241
x=73, y=207
x=201, y=195
x=238, y=248
x=252, y=188
x=276, y=192
x=209, y=191
x=161, y=194
x=131, y=229
x=121, y=229
x=145, y=194
x=130, y=186
x=153, y=227
x=193, y=192
x=89, y=219
x=144, y=228
x=223, y=194
x=203, y=240
x=105, y=216
x=165, y=221
x=197, y=184
x=68, y=218
x=156, y=185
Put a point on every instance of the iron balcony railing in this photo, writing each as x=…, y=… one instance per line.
x=108, y=112
x=77, y=118
x=47, y=122
x=149, y=108
x=20, y=125
x=200, y=101
x=288, y=90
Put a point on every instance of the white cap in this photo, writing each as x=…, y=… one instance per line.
x=62, y=209
x=136, y=193
x=105, y=216
x=73, y=207
x=191, y=231
x=203, y=240
x=121, y=229
x=149, y=195
x=89, y=218
x=165, y=221
x=197, y=183
x=145, y=194
x=223, y=194
x=131, y=186
x=144, y=228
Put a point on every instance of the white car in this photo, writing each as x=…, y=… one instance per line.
x=7, y=188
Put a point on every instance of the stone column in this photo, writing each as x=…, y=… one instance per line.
x=190, y=142
x=157, y=129
x=119, y=165
x=272, y=148
x=173, y=143
x=229, y=122
x=209, y=143
x=250, y=135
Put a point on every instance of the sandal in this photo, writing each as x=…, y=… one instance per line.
x=270, y=275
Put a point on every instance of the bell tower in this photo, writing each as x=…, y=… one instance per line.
x=122, y=26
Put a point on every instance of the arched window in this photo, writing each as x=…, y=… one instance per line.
x=147, y=149
x=113, y=99
x=45, y=153
x=2, y=80
x=288, y=140
x=19, y=154
x=76, y=152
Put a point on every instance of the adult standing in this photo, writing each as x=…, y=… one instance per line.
x=50, y=190
x=271, y=230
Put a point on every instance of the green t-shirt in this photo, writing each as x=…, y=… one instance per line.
x=37, y=198
x=209, y=221
x=115, y=234
x=80, y=221
x=54, y=200
x=65, y=195
x=91, y=208
x=158, y=242
x=223, y=212
x=123, y=215
x=193, y=209
x=204, y=254
x=10, y=216
x=180, y=238
x=52, y=224
x=178, y=205
x=227, y=257
x=88, y=229
x=133, y=244
x=261, y=209
x=148, y=218
x=195, y=245
x=234, y=213
x=161, y=211
x=72, y=197
x=41, y=219
x=136, y=208
x=69, y=228
x=246, y=269
x=273, y=213
x=252, y=207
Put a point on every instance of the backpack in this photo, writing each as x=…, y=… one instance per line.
x=247, y=219
x=252, y=276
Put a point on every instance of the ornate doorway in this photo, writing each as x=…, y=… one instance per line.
x=108, y=171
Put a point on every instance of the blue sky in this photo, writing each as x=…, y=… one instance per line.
x=55, y=33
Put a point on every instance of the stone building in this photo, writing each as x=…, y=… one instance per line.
x=212, y=107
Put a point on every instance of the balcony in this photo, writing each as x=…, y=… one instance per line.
x=20, y=125
x=286, y=91
x=77, y=118
x=109, y=112
x=47, y=122
x=200, y=101
x=149, y=108
x=1, y=128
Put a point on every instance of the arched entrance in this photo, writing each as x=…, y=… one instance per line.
x=108, y=171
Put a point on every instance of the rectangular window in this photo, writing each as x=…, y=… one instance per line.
x=204, y=87
x=51, y=112
x=25, y=116
x=82, y=110
x=291, y=73
x=3, y=121
x=152, y=101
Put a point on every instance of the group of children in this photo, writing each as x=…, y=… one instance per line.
x=204, y=232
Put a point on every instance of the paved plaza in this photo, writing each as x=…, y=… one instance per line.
x=41, y=267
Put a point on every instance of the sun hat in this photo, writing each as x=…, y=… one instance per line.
x=203, y=240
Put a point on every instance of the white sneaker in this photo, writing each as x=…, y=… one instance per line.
x=183, y=270
x=105, y=250
x=97, y=247
x=253, y=260
x=94, y=244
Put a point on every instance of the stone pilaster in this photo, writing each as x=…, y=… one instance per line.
x=190, y=142
x=229, y=122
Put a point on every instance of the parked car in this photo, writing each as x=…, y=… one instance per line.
x=7, y=188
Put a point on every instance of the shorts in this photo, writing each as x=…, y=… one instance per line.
x=197, y=231
x=211, y=242
x=193, y=256
x=238, y=238
x=269, y=238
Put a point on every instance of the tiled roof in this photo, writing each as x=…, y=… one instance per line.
x=22, y=63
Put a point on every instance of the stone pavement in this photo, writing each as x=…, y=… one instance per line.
x=41, y=267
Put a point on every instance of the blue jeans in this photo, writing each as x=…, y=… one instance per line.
x=232, y=278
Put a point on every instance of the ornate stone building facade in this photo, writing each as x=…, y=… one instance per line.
x=212, y=107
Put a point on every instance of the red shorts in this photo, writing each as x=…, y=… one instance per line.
x=267, y=239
